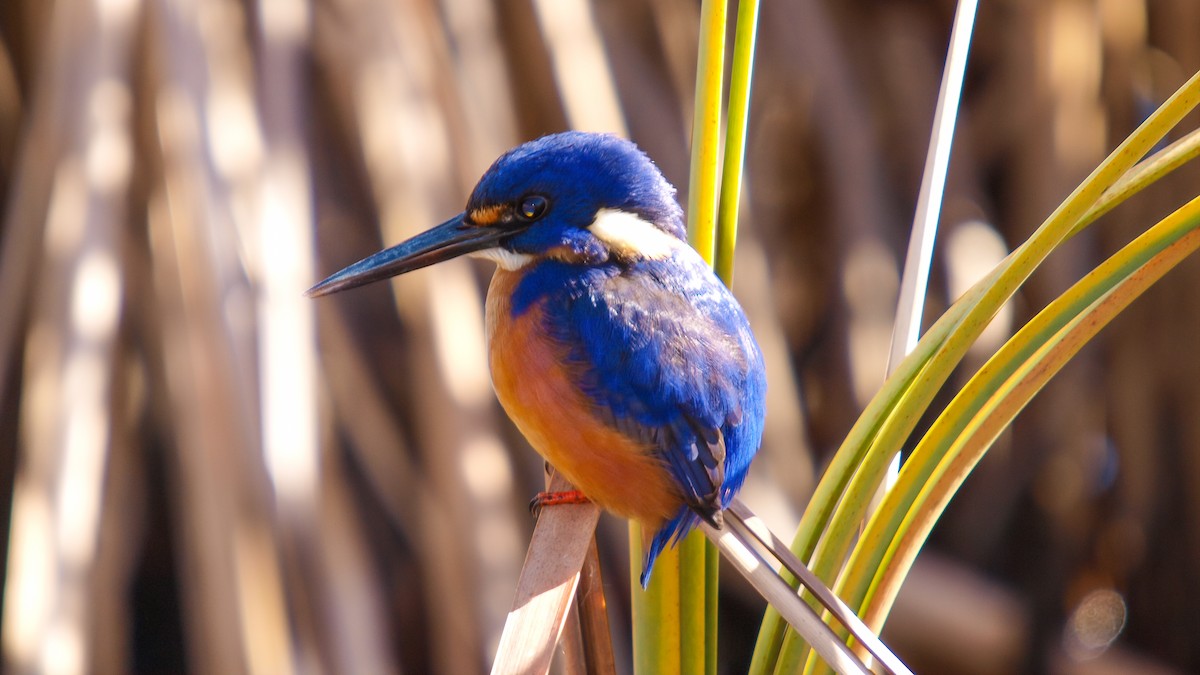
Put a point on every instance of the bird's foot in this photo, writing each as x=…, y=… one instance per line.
x=555, y=499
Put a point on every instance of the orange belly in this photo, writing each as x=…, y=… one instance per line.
x=535, y=386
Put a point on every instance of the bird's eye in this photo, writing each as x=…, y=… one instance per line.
x=532, y=207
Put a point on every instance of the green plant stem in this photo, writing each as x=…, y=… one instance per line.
x=735, y=137
x=655, y=619
x=712, y=568
x=969, y=425
x=1145, y=173
x=830, y=524
x=693, y=604
x=992, y=398
x=675, y=622
x=706, y=129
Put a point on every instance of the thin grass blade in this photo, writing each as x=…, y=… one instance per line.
x=826, y=531
x=780, y=595
x=915, y=279
x=989, y=402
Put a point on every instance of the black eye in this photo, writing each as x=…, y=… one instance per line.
x=532, y=208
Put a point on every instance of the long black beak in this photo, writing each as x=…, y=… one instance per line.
x=449, y=240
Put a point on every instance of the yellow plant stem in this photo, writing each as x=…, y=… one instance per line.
x=830, y=525
x=656, y=620
x=712, y=569
x=735, y=138
x=994, y=396
x=868, y=425
x=989, y=402
x=693, y=604
x=706, y=129
x=1146, y=172
x=674, y=622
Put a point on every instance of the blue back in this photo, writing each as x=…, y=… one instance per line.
x=667, y=353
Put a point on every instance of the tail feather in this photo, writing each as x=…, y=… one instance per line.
x=668, y=535
x=684, y=522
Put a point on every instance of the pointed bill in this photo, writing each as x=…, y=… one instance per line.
x=451, y=239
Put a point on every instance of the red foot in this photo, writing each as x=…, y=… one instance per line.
x=556, y=499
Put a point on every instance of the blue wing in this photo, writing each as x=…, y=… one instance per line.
x=666, y=352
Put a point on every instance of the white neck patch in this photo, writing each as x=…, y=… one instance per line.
x=507, y=260
x=629, y=235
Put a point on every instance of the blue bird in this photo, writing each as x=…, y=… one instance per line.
x=616, y=351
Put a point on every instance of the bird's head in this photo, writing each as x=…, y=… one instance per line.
x=578, y=197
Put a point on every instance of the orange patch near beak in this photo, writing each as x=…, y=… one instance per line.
x=485, y=216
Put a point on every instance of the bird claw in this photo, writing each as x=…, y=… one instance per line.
x=542, y=499
x=717, y=519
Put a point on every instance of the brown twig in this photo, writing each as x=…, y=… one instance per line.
x=548, y=581
x=593, y=616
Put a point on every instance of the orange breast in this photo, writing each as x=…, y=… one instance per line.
x=536, y=388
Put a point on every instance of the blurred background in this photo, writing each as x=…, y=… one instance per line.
x=201, y=471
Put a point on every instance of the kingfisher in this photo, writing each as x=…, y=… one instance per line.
x=617, y=352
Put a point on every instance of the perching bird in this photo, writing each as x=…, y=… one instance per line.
x=620, y=356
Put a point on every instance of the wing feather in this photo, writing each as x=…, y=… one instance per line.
x=667, y=356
